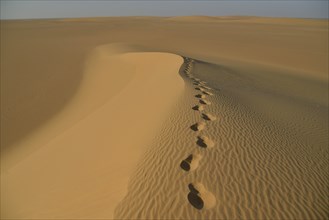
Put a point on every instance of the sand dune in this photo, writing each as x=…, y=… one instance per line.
x=101, y=118
x=118, y=125
x=249, y=169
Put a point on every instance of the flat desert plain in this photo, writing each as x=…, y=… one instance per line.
x=164, y=118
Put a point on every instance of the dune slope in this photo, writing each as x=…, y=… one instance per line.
x=256, y=150
x=82, y=168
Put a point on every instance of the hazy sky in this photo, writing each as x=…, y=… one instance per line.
x=20, y=9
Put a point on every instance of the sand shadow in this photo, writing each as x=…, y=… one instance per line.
x=208, y=117
x=195, y=108
x=205, y=117
x=201, y=143
x=185, y=164
x=207, y=93
x=193, y=189
x=194, y=198
x=204, y=102
x=200, y=89
x=194, y=127
x=43, y=94
x=200, y=96
x=198, y=126
x=198, y=108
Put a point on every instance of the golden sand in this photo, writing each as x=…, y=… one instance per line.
x=173, y=118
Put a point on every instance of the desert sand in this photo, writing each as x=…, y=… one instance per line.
x=164, y=118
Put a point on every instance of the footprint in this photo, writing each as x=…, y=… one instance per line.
x=205, y=87
x=204, y=141
x=208, y=93
x=208, y=117
x=191, y=162
x=204, y=102
x=200, y=96
x=200, y=89
x=198, y=126
x=199, y=197
x=198, y=108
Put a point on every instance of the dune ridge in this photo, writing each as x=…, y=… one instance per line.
x=265, y=156
x=106, y=114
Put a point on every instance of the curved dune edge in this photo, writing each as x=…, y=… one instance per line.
x=99, y=69
x=123, y=99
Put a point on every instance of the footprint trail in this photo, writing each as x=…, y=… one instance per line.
x=198, y=196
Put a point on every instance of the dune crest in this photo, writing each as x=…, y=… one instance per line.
x=81, y=117
x=113, y=102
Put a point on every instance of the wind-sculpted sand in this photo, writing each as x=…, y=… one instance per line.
x=249, y=167
x=225, y=123
x=92, y=158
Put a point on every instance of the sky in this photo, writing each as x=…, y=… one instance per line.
x=26, y=9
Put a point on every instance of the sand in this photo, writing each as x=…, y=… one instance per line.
x=172, y=118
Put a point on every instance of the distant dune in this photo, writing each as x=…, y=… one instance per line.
x=191, y=117
x=192, y=18
x=252, y=19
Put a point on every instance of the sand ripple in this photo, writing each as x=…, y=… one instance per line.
x=255, y=169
